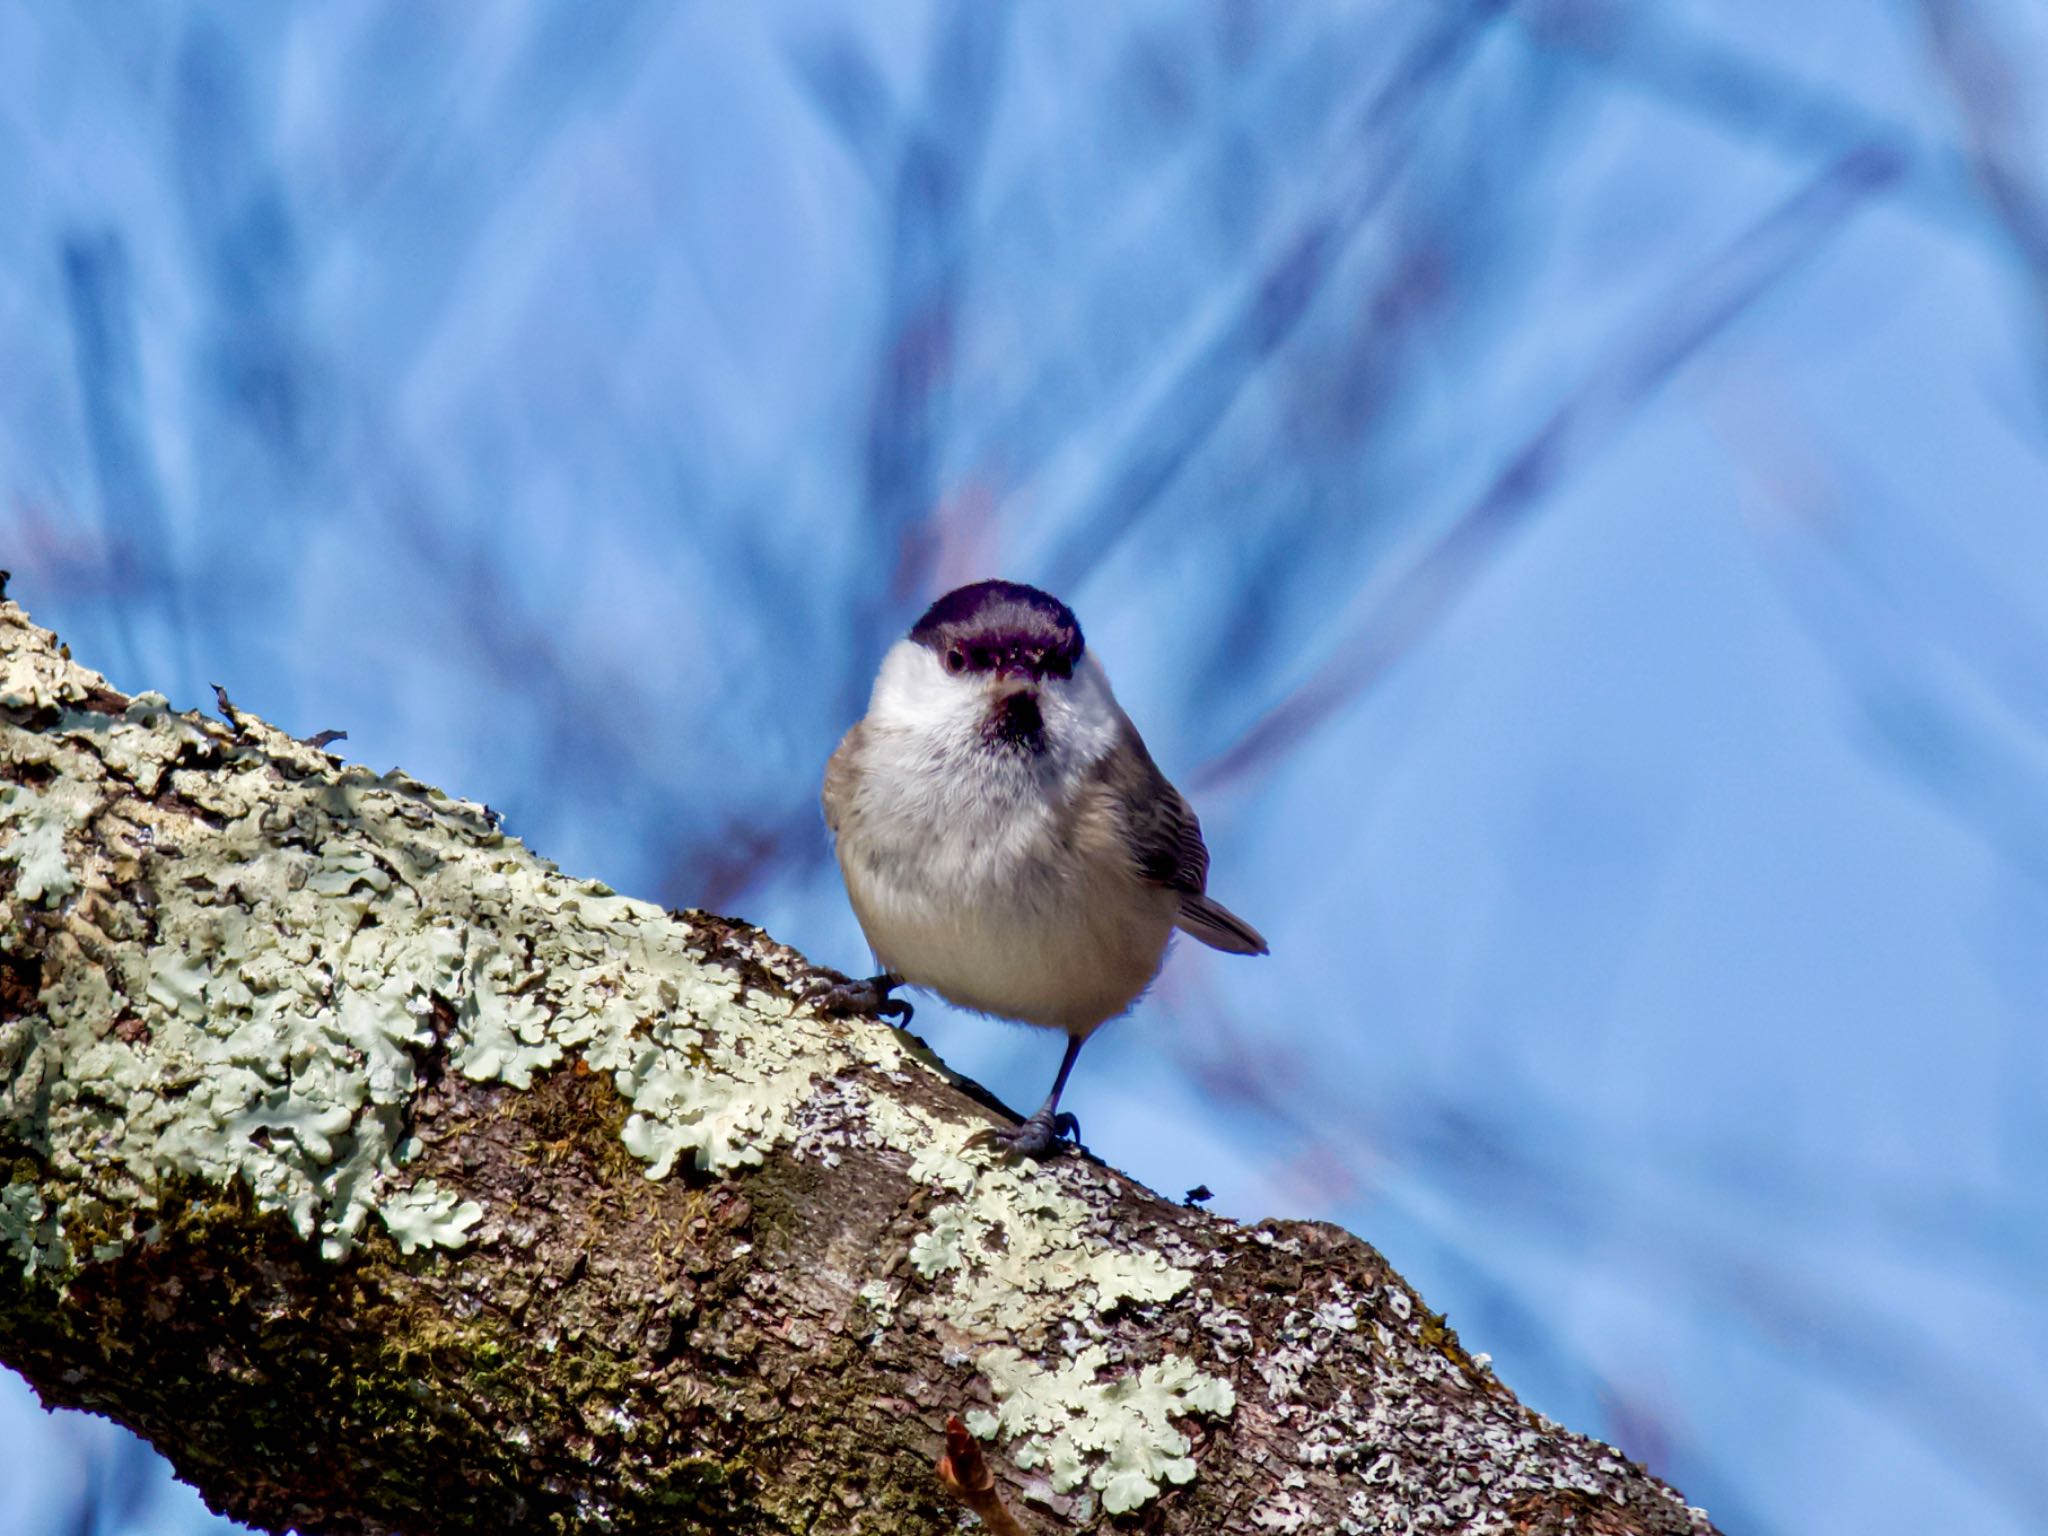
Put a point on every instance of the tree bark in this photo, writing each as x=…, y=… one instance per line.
x=389, y=1180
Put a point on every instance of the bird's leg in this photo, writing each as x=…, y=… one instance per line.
x=1042, y=1134
x=870, y=997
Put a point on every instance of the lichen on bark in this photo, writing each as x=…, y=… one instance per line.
x=402, y=1182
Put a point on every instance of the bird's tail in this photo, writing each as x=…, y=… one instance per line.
x=1218, y=927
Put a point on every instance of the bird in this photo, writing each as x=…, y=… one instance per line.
x=1005, y=838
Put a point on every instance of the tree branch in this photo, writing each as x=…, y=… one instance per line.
x=387, y=1179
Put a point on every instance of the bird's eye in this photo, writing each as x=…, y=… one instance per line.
x=956, y=660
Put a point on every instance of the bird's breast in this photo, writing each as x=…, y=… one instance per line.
x=1003, y=899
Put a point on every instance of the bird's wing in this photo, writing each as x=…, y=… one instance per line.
x=839, y=778
x=1164, y=839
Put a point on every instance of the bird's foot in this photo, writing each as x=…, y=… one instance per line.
x=868, y=998
x=1037, y=1138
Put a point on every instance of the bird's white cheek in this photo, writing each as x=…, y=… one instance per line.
x=1081, y=717
x=915, y=695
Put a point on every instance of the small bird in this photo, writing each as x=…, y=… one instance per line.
x=1006, y=840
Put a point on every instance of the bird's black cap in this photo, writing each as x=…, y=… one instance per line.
x=993, y=621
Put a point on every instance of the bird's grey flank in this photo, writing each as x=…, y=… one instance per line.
x=1006, y=840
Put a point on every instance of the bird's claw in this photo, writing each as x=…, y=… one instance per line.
x=1037, y=1138
x=869, y=998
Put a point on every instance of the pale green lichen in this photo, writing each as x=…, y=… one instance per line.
x=1016, y=1245
x=34, y=672
x=1016, y=1263
x=29, y=1232
x=505, y=1031
x=327, y=927
x=38, y=823
x=879, y=1297
x=142, y=742
x=1117, y=1432
x=693, y=1092
x=299, y=949
x=943, y=1245
x=428, y=1216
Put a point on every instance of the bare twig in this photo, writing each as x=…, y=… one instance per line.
x=99, y=290
x=964, y=1474
x=1748, y=95
x=1589, y=419
x=1975, y=65
x=1271, y=305
x=909, y=408
x=228, y=712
